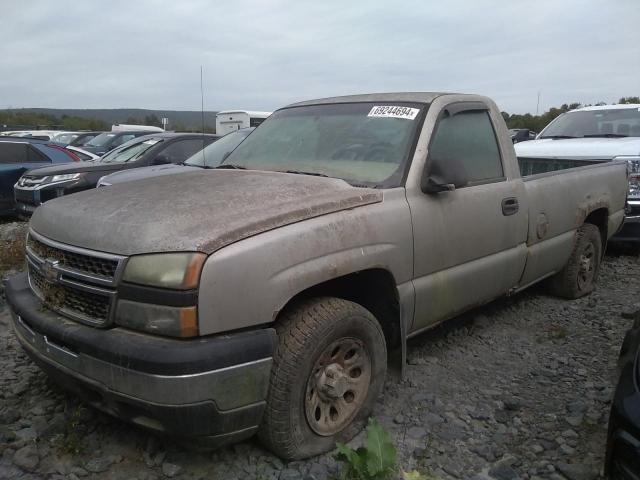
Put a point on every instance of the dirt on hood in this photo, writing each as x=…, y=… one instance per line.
x=193, y=211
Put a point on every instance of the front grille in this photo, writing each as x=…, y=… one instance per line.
x=76, y=303
x=25, y=196
x=75, y=282
x=102, y=267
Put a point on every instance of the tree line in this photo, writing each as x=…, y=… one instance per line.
x=13, y=120
x=10, y=120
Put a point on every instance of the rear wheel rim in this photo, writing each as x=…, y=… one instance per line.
x=587, y=266
x=337, y=386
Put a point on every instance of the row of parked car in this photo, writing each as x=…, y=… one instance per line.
x=25, y=183
x=257, y=285
x=63, y=138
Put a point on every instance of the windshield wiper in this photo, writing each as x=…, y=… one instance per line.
x=230, y=166
x=185, y=164
x=313, y=174
x=558, y=137
x=605, y=135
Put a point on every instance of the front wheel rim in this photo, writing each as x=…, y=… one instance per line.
x=337, y=386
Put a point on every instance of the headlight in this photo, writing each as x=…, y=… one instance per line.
x=633, y=167
x=176, y=271
x=65, y=176
x=179, y=271
x=158, y=319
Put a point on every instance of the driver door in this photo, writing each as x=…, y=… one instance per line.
x=469, y=243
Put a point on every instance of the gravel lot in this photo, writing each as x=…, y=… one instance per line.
x=517, y=389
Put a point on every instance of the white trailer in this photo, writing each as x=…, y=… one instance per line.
x=232, y=120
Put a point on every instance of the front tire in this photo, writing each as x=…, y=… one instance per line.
x=579, y=275
x=329, y=368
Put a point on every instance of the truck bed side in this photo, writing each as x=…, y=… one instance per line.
x=560, y=200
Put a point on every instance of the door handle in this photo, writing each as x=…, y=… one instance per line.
x=510, y=206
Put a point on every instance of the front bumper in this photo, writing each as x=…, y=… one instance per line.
x=25, y=209
x=211, y=388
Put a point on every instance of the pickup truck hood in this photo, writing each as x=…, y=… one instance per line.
x=579, y=148
x=194, y=211
x=146, y=172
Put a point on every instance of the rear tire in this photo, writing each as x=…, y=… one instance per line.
x=579, y=275
x=329, y=368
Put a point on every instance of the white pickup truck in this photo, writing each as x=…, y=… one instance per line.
x=594, y=134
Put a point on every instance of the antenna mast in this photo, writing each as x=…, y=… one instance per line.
x=202, y=116
x=201, y=100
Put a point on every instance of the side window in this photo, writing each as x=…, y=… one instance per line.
x=13, y=152
x=35, y=156
x=122, y=139
x=468, y=136
x=180, y=150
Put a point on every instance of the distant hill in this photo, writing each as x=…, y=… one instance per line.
x=184, y=120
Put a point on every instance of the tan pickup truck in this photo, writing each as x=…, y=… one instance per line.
x=265, y=295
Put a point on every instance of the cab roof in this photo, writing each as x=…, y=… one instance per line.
x=618, y=106
x=420, y=97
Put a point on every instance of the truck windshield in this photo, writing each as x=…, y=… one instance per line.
x=614, y=122
x=362, y=143
x=212, y=155
x=101, y=140
x=129, y=153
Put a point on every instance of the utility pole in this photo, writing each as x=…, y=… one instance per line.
x=538, y=105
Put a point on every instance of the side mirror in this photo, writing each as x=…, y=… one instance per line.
x=442, y=175
x=161, y=160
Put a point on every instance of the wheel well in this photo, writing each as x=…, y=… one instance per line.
x=374, y=289
x=600, y=218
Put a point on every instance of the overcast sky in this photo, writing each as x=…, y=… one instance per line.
x=266, y=54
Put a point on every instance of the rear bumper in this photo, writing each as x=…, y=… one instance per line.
x=186, y=388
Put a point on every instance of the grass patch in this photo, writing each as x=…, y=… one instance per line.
x=71, y=440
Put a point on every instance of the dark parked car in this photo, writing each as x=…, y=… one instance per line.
x=17, y=155
x=42, y=184
x=107, y=141
x=210, y=157
x=623, y=442
x=521, y=135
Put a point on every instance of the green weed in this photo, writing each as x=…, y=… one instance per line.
x=375, y=461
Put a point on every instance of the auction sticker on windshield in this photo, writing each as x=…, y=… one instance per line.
x=393, y=111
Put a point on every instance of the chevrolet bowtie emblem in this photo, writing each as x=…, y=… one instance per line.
x=49, y=270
